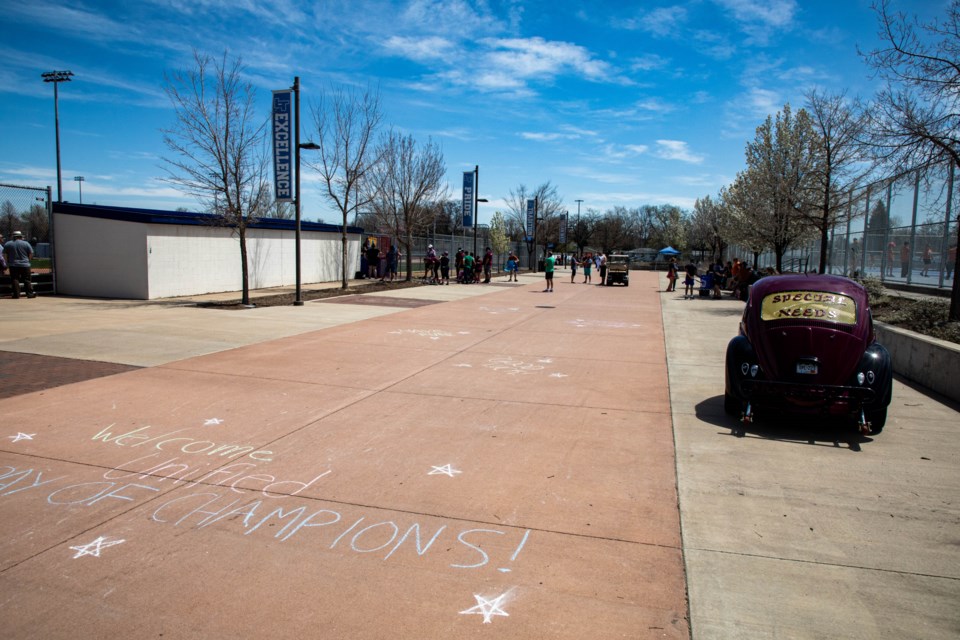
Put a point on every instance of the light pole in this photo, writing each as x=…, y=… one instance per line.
x=578, y=220
x=79, y=181
x=298, y=301
x=56, y=77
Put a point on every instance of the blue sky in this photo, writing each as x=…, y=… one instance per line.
x=615, y=103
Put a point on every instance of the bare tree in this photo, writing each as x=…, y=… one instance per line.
x=219, y=145
x=346, y=123
x=549, y=208
x=839, y=168
x=404, y=189
x=915, y=118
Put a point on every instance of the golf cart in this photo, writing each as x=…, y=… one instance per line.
x=618, y=269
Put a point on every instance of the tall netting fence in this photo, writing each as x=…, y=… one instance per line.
x=901, y=230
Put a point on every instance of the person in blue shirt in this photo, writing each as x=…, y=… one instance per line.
x=18, y=252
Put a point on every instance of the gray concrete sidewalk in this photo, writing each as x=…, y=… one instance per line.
x=789, y=533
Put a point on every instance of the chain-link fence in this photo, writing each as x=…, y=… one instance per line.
x=902, y=230
x=27, y=210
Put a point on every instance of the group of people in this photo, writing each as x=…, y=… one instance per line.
x=16, y=256
x=378, y=264
x=588, y=262
x=735, y=276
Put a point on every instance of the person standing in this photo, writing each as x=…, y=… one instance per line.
x=927, y=260
x=690, y=274
x=468, y=268
x=487, y=264
x=905, y=259
x=587, y=263
x=602, y=267
x=672, y=275
x=573, y=267
x=512, y=267
x=445, y=268
x=373, y=260
x=392, y=258
x=548, y=266
x=18, y=252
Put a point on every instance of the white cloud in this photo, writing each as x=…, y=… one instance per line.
x=677, y=150
x=663, y=21
x=536, y=57
x=419, y=49
x=760, y=19
x=772, y=13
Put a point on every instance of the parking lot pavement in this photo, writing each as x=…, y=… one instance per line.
x=798, y=530
x=484, y=465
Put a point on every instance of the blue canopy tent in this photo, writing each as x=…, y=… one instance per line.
x=668, y=251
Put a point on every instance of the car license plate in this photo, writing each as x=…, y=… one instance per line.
x=809, y=368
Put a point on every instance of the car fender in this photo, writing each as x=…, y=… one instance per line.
x=739, y=351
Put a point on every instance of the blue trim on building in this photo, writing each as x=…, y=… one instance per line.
x=157, y=216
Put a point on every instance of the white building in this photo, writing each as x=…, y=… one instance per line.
x=142, y=254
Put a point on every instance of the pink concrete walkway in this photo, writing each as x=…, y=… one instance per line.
x=500, y=464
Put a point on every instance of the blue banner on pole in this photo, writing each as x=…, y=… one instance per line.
x=563, y=229
x=467, y=205
x=283, y=145
x=531, y=213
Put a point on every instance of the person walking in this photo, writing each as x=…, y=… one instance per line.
x=927, y=260
x=548, y=265
x=18, y=252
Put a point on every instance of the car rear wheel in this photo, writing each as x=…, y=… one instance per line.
x=877, y=420
x=731, y=405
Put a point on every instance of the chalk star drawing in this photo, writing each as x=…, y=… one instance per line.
x=488, y=607
x=559, y=375
x=94, y=548
x=21, y=436
x=512, y=367
x=433, y=334
x=211, y=422
x=446, y=470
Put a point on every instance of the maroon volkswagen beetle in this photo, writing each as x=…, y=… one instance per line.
x=807, y=345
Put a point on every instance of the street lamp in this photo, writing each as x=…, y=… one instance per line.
x=79, y=181
x=476, y=201
x=56, y=77
x=298, y=301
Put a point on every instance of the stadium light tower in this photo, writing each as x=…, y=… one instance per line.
x=56, y=77
x=79, y=180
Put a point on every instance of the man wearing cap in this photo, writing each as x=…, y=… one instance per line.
x=18, y=253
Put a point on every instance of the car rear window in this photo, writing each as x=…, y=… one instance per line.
x=812, y=305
